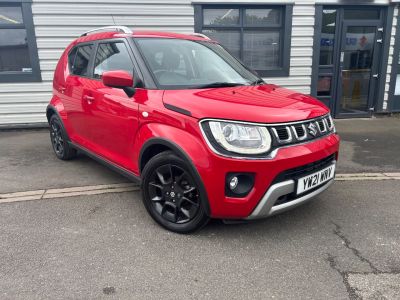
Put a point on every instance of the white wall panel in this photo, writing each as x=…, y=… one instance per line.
x=58, y=22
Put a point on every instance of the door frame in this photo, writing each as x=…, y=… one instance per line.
x=374, y=67
x=386, y=16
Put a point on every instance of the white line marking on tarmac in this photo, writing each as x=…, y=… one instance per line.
x=129, y=187
x=367, y=176
x=68, y=192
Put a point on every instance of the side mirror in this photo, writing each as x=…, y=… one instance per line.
x=120, y=80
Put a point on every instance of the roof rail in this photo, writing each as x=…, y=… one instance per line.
x=123, y=29
x=199, y=35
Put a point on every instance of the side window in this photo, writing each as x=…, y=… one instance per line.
x=110, y=57
x=80, y=60
x=71, y=59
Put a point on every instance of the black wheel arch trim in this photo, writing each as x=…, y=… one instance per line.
x=182, y=154
x=51, y=107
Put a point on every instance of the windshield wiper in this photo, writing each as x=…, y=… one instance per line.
x=218, y=84
x=258, y=81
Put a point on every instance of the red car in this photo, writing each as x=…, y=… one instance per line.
x=205, y=136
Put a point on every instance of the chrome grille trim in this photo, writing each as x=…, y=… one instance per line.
x=313, y=129
x=322, y=128
x=329, y=123
x=285, y=141
x=304, y=136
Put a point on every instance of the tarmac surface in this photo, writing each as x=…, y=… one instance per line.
x=343, y=245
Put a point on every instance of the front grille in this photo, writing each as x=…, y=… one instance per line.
x=329, y=122
x=321, y=125
x=305, y=170
x=297, y=132
x=283, y=133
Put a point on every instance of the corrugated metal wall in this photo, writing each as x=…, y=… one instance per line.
x=59, y=22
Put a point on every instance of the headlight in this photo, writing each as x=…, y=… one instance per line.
x=238, y=138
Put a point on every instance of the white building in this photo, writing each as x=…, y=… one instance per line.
x=346, y=53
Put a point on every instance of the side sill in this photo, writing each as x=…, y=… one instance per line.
x=124, y=172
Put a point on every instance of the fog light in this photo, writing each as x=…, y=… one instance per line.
x=233, y=183
x=238, y=185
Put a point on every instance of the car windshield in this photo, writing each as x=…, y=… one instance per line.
x=178, y=64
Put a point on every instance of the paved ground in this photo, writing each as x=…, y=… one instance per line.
x=343, y=245
x=369, y=145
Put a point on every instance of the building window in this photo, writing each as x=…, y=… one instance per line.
x=18, y=52
x=258, y=35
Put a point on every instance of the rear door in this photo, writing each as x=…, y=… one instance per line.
x=112, y=114
x=79, y=65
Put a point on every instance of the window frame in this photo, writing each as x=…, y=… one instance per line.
x=109, y=41
x=285, y=30
x=15, y=76
x=386, y=17
x=129, y=43
x=91, y=59
x=393, y=104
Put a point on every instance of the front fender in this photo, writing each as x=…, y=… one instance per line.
x=185, y=140
x=184, y=143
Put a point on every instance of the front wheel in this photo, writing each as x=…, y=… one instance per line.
x=171, y=195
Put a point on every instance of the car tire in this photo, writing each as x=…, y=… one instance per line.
x=172, y=195
x=59, y=139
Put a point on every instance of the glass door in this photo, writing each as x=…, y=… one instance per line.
x=348, y=58
x=357, y=69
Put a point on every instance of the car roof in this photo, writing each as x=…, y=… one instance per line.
x=141, y=34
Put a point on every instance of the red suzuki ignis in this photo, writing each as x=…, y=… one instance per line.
x=202, y=133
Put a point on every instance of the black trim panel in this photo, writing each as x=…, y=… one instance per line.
x=52, y=108
x=178, y=109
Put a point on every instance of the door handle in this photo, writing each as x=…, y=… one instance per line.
x=62, y=89
x=88, y=98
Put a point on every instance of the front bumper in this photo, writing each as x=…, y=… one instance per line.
x=266, y=207
x=273, y=179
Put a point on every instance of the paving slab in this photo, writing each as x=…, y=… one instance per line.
x=27, y=162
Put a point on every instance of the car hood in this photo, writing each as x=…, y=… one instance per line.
x=262, y=104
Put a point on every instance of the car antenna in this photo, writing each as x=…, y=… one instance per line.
x=112, y=17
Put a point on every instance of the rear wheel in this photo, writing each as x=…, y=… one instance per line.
x=171, y=195
x=59, y=139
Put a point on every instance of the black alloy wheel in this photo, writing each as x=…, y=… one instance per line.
x=59, y=139
x=171, y=195
x=56, y=138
